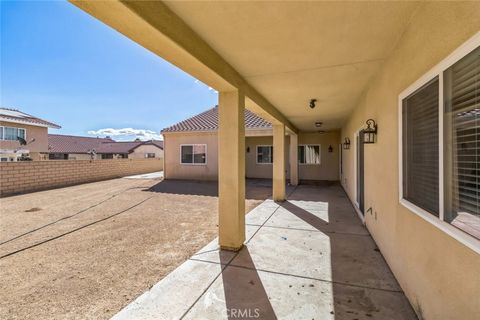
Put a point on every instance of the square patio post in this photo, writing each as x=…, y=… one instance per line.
x=231, y=170
x=278, y=162
x=293, y=159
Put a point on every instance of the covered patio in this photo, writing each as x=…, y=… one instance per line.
x=314, y=67
x=306, y=258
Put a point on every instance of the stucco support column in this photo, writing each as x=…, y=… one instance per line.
x=293, y=159
x=231, y=170
x=278, y=162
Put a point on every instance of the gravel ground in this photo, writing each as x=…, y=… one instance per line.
x=85, y=252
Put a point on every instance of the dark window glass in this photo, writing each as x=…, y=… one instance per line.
x=187, y=154
x=264, y=154
x=420, y=147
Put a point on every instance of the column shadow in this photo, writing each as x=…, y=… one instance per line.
x=245, y=295
x=354, y=259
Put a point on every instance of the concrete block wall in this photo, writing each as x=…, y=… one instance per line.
x=28, y=176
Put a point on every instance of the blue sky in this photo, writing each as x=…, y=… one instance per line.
x=60, y=64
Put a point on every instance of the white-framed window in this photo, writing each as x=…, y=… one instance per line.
x=149, y=155
x=439, y=140
x=309, y=154
x=195, y=154
x=12, y=133
x=264, y=154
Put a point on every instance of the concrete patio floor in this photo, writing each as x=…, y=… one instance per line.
x=306, y=258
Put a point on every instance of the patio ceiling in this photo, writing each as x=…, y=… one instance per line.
x=294, y=51
x=282, y=54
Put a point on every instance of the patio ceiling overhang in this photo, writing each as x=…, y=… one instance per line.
x=281, y=55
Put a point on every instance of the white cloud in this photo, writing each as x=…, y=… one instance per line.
x=127, y=134
x=209, y=88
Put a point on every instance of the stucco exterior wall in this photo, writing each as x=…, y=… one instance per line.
x=327, y=170
x=259, y=170
x=439, y=275
x=139, y=153
x=329, y=161
x=40, y=134
x=173, y=169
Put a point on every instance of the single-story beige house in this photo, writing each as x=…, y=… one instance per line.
x=68, y=147
x=191, y=150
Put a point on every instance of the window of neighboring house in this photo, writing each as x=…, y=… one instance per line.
x=309, y=154
x=149, y=155
x=107, y=156
x=58, y=156
x=193, y=153
x=440, y=152
x=12, y=134
x=264, y=154
x=21, y=133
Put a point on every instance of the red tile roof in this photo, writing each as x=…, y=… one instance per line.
x=14, y=115
x=58, y=143
x=118, y=147
x=208, y=121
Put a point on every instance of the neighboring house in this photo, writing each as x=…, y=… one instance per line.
x=130, y=150
x=191, y=150
x=66, y=147
x=17, y=127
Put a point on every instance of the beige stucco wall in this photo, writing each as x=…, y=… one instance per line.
x=139, y=153
x=329, y=161
x=327, y=170
x=252, y=168
x=439, y=275
x=173, y=169
x=40, y=134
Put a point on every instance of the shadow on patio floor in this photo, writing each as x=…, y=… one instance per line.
x=245, y=295
x=256, y=189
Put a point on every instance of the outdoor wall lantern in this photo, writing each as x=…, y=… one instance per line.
x=346, y=144
x=370, y=132
x=312, y=103
x=330, y=148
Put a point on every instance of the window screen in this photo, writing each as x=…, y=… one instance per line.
x=264, y=154
x=11, y=133
x=462, y=143
x=420, y=147
x=199, y=153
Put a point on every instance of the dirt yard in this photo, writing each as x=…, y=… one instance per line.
x=85, y=252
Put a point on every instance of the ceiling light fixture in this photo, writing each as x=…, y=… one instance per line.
x=318, y=124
